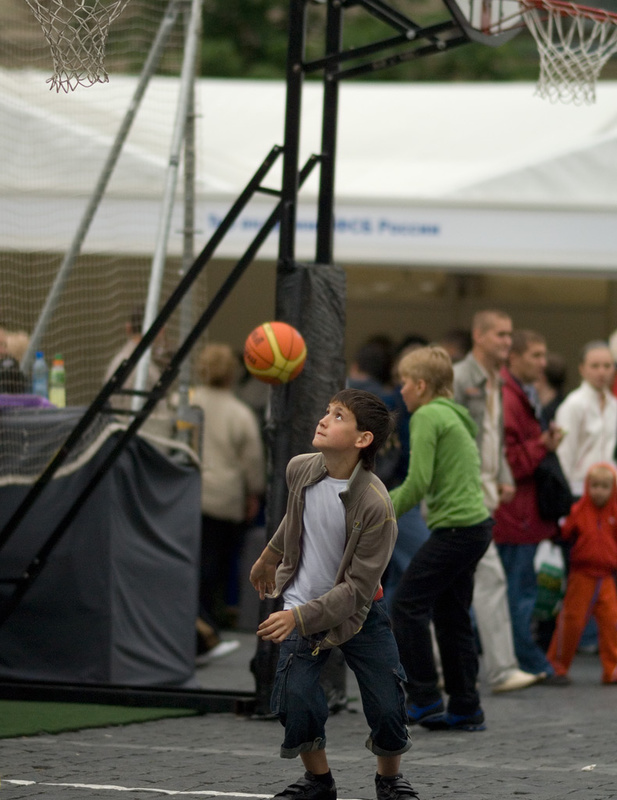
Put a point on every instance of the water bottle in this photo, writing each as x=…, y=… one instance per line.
x=40, y=376
x=57, y=382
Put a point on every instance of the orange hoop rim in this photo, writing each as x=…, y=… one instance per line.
x=565, y=9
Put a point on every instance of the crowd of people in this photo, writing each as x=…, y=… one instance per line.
x=479, y=416
x=410, y=539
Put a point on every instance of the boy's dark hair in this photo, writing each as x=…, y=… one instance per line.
x=372, y=415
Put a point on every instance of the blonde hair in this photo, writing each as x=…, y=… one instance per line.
x=217, y=365
x=433, y=365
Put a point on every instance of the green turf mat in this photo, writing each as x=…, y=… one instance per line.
x=27, y=718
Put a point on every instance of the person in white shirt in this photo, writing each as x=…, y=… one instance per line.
x=477, y=386
x=588, y=417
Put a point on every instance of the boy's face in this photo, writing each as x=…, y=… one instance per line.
x=597, y=368
x=337, y=431
x=412, y=392
x=600, y=487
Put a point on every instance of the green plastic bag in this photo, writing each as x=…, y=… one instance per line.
x=551, y=574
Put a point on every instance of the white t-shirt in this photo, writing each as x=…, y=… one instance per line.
x=323, y=542
x=491, y=444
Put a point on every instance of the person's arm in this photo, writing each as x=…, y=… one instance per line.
x=567, y=419
x=524, y=452
x=252, y=456
x=263, y=571
x=423, y=441
x=505, y=480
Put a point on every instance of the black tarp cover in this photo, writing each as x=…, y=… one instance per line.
x=117, y=601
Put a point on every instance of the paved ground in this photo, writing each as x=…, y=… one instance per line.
x=542, y=743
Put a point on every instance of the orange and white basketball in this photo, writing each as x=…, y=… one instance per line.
x=275, y=352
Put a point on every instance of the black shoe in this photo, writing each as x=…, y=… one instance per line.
x=308, y=788
x=395, y=788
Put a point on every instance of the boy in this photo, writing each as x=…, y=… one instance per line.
x=326, y=559
x=590, y=591
x=444, y=468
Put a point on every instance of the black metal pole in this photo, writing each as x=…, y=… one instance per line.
x=325, y=210
x=279, y=425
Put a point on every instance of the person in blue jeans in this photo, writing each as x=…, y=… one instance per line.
x=519, y=527
x=326, y=559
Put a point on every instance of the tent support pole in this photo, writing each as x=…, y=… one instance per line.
x=187, y=83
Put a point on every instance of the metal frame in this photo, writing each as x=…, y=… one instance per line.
x=411, y=41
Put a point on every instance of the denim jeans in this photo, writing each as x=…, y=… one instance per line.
x=438, y=586
x=300, y=703
x=517, y=561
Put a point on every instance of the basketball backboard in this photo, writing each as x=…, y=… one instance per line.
x=489, y=22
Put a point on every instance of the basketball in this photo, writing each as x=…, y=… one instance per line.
x=275, y=352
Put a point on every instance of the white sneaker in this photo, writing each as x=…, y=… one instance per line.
x=517, y=679
x=218, y=651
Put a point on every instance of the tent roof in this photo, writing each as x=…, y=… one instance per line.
x=400, y=145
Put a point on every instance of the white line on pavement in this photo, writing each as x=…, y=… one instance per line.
x=203, y=793
x=113, y=788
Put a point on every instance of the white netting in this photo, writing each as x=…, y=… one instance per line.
x=77, y=33
x=574, y=43
x=44, y=188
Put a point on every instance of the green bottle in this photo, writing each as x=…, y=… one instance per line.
x=57, y=382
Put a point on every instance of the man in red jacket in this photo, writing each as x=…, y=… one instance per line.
x=518, y=525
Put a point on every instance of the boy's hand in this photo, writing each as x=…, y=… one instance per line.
x=263, y=572
x=278, y=626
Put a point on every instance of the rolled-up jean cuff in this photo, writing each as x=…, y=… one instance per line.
x=305, y=747
x=378, y=751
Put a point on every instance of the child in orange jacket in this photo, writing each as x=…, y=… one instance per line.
x=591, y=526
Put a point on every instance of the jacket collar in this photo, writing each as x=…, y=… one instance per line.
x=479, y=374
x=360, y=478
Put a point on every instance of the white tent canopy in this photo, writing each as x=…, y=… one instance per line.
x=472, y=176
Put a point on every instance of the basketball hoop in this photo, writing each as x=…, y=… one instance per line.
x=76, y=31
x=574, y=43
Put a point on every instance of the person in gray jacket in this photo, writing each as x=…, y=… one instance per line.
x=477, y=386
x=326, y=559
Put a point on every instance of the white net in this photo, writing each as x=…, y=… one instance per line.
x=77, y=33
x=54, y=146
x=574, y=43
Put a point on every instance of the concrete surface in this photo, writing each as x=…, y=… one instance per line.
x=542, y=743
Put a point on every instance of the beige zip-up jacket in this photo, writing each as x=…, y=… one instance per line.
x=371, y=533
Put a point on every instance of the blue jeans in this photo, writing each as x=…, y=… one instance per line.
x=438, y=586
x=517, y=562
x=300, y=703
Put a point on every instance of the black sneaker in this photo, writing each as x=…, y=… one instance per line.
x=395, y=788
x=308, y=788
